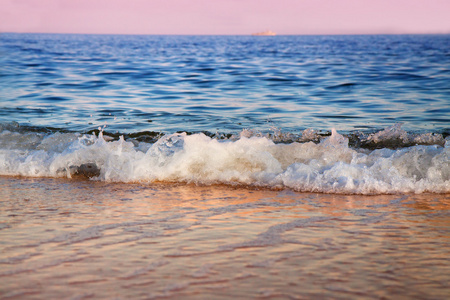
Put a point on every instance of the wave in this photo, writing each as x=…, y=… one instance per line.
x=385, y=162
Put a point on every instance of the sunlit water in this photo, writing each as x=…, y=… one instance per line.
x=83, y=240
x=182, y=167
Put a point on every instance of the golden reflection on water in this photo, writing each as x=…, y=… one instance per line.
x=81, y=239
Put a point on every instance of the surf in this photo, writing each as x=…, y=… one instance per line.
x=383, y=162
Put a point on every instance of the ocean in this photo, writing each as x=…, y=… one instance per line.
x=280, y=167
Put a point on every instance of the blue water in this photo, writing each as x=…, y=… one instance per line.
x=332, y=114
x=225, y=84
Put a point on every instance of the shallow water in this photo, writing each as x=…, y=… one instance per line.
x=68, y=239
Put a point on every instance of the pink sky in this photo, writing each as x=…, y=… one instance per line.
x=225, y=16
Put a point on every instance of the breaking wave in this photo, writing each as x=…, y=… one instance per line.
x=385, y=162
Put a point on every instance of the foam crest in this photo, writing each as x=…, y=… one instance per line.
x=395, y=137
x=329, y=166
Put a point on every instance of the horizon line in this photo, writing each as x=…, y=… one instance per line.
x=225, y=34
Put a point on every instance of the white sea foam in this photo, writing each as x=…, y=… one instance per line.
x=330, y=166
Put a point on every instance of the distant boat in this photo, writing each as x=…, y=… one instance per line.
x=267, y=32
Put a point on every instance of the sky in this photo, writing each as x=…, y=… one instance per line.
x=226, y=16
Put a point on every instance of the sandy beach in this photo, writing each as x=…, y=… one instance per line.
x=79, y=239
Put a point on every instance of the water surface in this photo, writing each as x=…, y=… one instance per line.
x=83, y=240
x=225, y=83
x=186, y=167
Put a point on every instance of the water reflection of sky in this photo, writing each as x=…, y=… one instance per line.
x=226, y=83
x=131, y=239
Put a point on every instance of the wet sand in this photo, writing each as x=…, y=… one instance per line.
x=70, y=239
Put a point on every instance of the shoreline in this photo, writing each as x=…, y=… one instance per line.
x=238, y=186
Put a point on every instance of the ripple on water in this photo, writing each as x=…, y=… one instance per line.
x=321, y=77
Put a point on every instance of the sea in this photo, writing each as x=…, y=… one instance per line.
x=212, y=167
